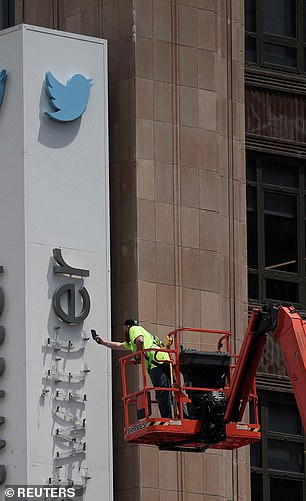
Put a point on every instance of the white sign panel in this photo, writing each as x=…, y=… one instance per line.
x=54, y=249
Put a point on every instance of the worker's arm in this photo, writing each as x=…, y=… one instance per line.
x=113, y=345
x=139, y=346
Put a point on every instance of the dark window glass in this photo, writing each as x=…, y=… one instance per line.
x=2, y=23
x=304, y=11
x=284, y=418
x=7, y=13
x=280, y=174
x=285, y=456
x=253, y=292
x=282, y=56
x=11, y=12
x=250, y=15
x=256, y=455
x=283, y=488
x=252, y=227
x=280, y=232
x=282, y=291
x=305, y=230
x=279, y=17
x=256, y=486
x=250, y=50
x=251, y=169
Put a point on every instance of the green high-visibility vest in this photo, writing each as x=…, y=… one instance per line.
x=152, y=358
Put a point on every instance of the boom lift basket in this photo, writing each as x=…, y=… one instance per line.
x=200, y=387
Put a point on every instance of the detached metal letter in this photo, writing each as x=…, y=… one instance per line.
x=70, y=316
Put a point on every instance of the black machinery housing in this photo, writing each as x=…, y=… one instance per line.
x=202, y=369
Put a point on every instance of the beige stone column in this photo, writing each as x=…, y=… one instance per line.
x=181, y=227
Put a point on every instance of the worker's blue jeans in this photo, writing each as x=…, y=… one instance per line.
x=160, y=377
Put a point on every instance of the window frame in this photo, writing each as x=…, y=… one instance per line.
x=263, y=274
x=298, y=43
x=265, y=397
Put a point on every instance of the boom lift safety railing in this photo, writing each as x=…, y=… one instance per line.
x=200, y=384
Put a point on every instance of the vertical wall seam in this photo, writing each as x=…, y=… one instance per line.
x=176, y=165
x=177, y=199
x=231, y=211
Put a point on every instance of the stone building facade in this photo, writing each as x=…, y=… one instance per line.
x=178, y=215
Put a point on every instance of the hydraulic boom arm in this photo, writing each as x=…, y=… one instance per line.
x=288, y=327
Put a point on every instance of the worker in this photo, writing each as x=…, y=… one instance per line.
x=157, y=362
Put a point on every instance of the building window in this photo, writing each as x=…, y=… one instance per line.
x=276, y=34
x=277, y=462
x=276, y=225
x=7, y=13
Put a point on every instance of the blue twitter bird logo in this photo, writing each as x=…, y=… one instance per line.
x=3, y=75
x=68, y=101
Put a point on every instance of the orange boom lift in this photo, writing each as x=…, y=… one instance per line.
x=210, y=390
